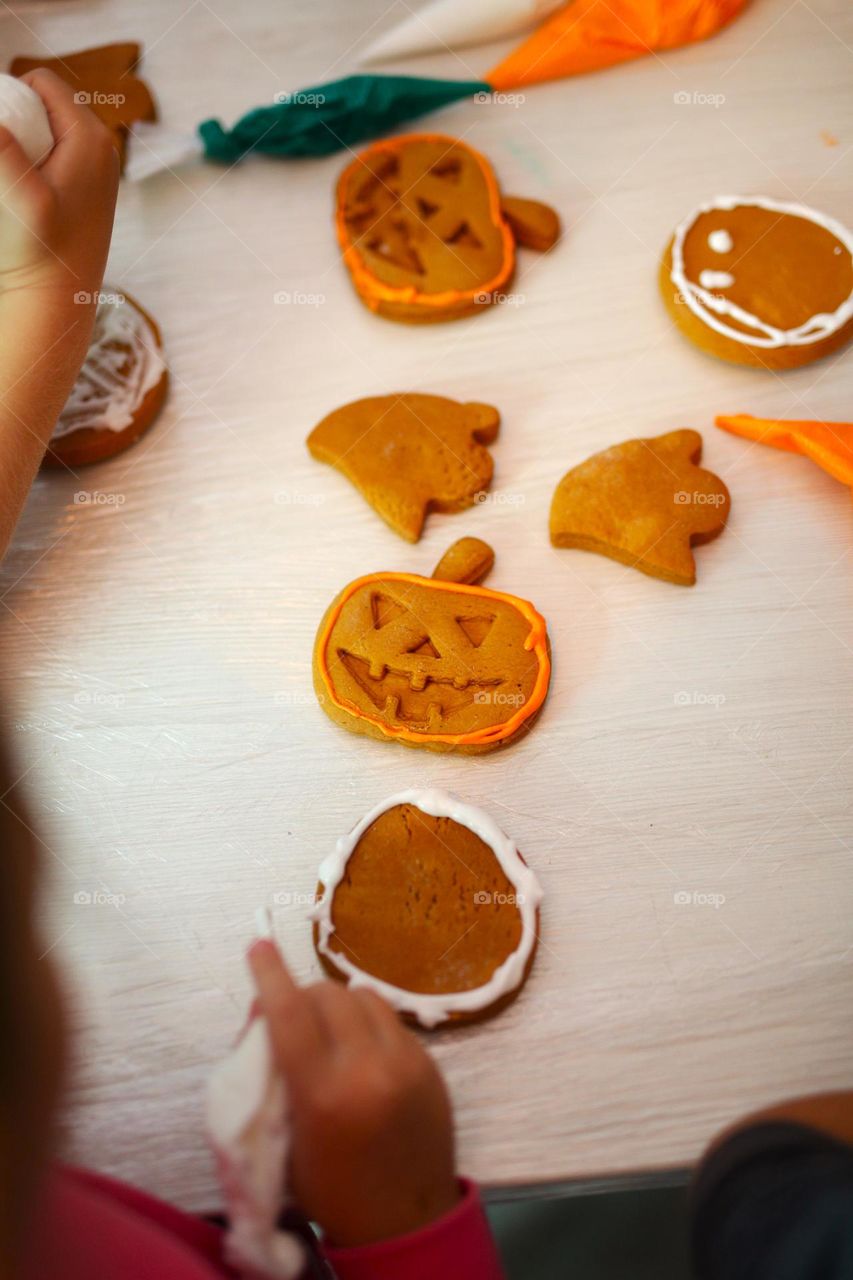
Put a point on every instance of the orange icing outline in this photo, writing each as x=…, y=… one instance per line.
x=375, y=290
x=536, y=640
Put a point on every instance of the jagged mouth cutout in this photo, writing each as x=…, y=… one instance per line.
x=378, y=212
x=420, y=699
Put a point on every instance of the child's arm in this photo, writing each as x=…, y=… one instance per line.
x=55, y=224
x=371, y=1156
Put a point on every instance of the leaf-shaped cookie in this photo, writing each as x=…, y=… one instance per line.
x=409, y=454
x=644, y=503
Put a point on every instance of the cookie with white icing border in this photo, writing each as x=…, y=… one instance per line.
x=428, y=903
x=120, y=389
x=760, y=282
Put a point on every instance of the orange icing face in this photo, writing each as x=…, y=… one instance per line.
x=432, y=661
x=419, y=222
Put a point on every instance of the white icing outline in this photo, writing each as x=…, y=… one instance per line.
x=430, y=1010
x=708, y=307
x=117, y=397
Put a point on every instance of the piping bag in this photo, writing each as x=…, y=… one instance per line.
x=578, y=37
x=248, y=1127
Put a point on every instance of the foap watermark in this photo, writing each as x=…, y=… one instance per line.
x=98, y=498
x=296, y=298
x=98, y=898
x=83, y=298
x=499, y=498
x=695, y=698
x=293, y=698
x=507, y=299
x=297, y=498
x=686, y=498
x=302, y=98
x=98, y=698
x=498, y=698
x=696, y=98
x=286, y=899
x=482, y=898
x=498, y=98
x=97, y=98
x=693, y=898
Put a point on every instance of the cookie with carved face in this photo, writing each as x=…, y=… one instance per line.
x=760, y=282
x=429, y=904
x=424, y=232
x=439, y=662
x=120, y=389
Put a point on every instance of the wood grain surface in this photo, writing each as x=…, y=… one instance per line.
x=685, y=797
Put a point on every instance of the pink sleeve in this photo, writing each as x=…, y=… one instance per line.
x=458, y=1246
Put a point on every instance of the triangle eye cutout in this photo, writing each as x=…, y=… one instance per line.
x=476, y=629
x=425, y=207
x=425, y=649
x=384, y=610
x=464, y=236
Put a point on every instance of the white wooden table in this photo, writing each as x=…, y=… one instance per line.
x=156, y=637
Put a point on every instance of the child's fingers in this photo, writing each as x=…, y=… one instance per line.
x=383, y=1020
x=76, y=130
x=298, y=1038
x=345, y=1017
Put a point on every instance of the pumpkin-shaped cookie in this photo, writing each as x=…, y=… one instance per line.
x=423, y=231
x=436, y=662
x=428, y=903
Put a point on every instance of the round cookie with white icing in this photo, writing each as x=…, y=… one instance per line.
x=428, y=903
x=760, y=282
x=119, y=391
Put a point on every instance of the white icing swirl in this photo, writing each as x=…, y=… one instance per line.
x=123, y=363
x=710, y=307
x=430, y=1010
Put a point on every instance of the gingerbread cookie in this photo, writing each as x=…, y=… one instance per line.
x=760, y=282
x=428, y=903
x=644, y=503
x=103, y=79
x=433, y=662
x=410, y=454
x=423, y=229
x=119, y=391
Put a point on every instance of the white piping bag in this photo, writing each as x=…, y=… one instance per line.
x=248, y=1127
x=453, y=24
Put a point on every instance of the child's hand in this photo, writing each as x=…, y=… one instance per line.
x=55, y=224
x=372, y=1131
x=55, y=221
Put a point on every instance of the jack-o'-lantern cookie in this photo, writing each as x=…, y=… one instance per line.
x=436, y=662
x=428, y=903
x=119, y=391
x=410, y=454
x=423, y=229
x=645, y=503
x=103, y=79
x=760, y=282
